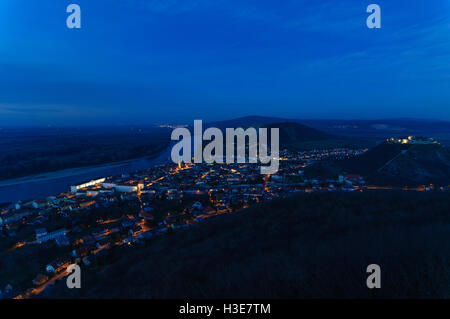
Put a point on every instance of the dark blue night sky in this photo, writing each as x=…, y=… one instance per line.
x=148, y=61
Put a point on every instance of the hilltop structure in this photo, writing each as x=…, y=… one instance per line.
x=411, y=140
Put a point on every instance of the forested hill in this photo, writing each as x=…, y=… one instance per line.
x=307, y=246
x=293, y=135
x=400, y=164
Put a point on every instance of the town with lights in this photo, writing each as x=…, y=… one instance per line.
x=83, y=224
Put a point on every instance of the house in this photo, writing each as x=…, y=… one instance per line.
x=53, y=235
x=40, y=231
x=197, y=206
x=13, y=216
x=50, y=269
x=87, y=261
x=353, y=179
x=62, y=241
x=127, y=187
x=23, y=204
x=66, y=207
x=75, y=188
x=39, y=203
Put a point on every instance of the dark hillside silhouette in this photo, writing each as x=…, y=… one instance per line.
x=315, y=245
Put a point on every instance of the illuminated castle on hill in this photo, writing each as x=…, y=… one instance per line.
x=411, y=140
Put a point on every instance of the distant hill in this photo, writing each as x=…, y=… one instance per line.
x=293, y=135
x=371, y=130
x=369, y=162
x=423, y=164
x=298, y=137
x=376, y=129
x=246, y=121
x=399, y=164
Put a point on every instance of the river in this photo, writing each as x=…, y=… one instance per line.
x=53, y=183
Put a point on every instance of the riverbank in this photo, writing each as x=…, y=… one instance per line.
x=71, y=171
x=62, y=173
x=46, y=184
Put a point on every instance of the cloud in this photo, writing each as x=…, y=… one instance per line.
x=27, y=110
